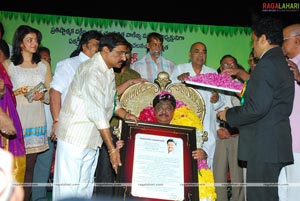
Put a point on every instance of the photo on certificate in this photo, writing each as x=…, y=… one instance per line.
x=157, y=162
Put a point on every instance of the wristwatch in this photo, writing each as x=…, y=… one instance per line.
x=298, y=83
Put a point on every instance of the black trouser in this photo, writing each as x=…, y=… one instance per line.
x=262, y=179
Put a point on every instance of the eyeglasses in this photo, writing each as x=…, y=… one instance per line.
x=128, y=55
x=166, y=109
x=229, y=65
x=122, y=53
x=286, y=38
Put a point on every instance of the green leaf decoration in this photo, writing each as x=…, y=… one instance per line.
x=64, y=19
x=108, y=23
x=25, y=17
x=36, y=18
x=153, y=25
x=70, y=19
x=145, y=25
x=204, y=29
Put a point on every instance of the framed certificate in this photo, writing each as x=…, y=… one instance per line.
x=157, y=162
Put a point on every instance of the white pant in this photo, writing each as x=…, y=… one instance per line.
x=289, y=181
x=74, y=171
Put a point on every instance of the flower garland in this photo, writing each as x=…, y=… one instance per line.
x=185, y=116
x=206, y=182
x=147, y=114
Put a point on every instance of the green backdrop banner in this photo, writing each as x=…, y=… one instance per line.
x=61, y=35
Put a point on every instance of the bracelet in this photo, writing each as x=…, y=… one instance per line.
x=55, y=121
x=125, y=115
x=298, y=82
x=113, y=150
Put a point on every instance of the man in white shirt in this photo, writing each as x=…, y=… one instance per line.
x=153, y=62
x=65, y=70
x=84, y=120
x=63, y=75
x=213, y=100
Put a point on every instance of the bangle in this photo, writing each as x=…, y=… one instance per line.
x=125, y=115
x=55, y=121
x=113, y=150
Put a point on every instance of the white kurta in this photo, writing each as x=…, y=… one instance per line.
x=209, y=122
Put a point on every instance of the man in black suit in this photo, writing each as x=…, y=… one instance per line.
x=265, y=140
